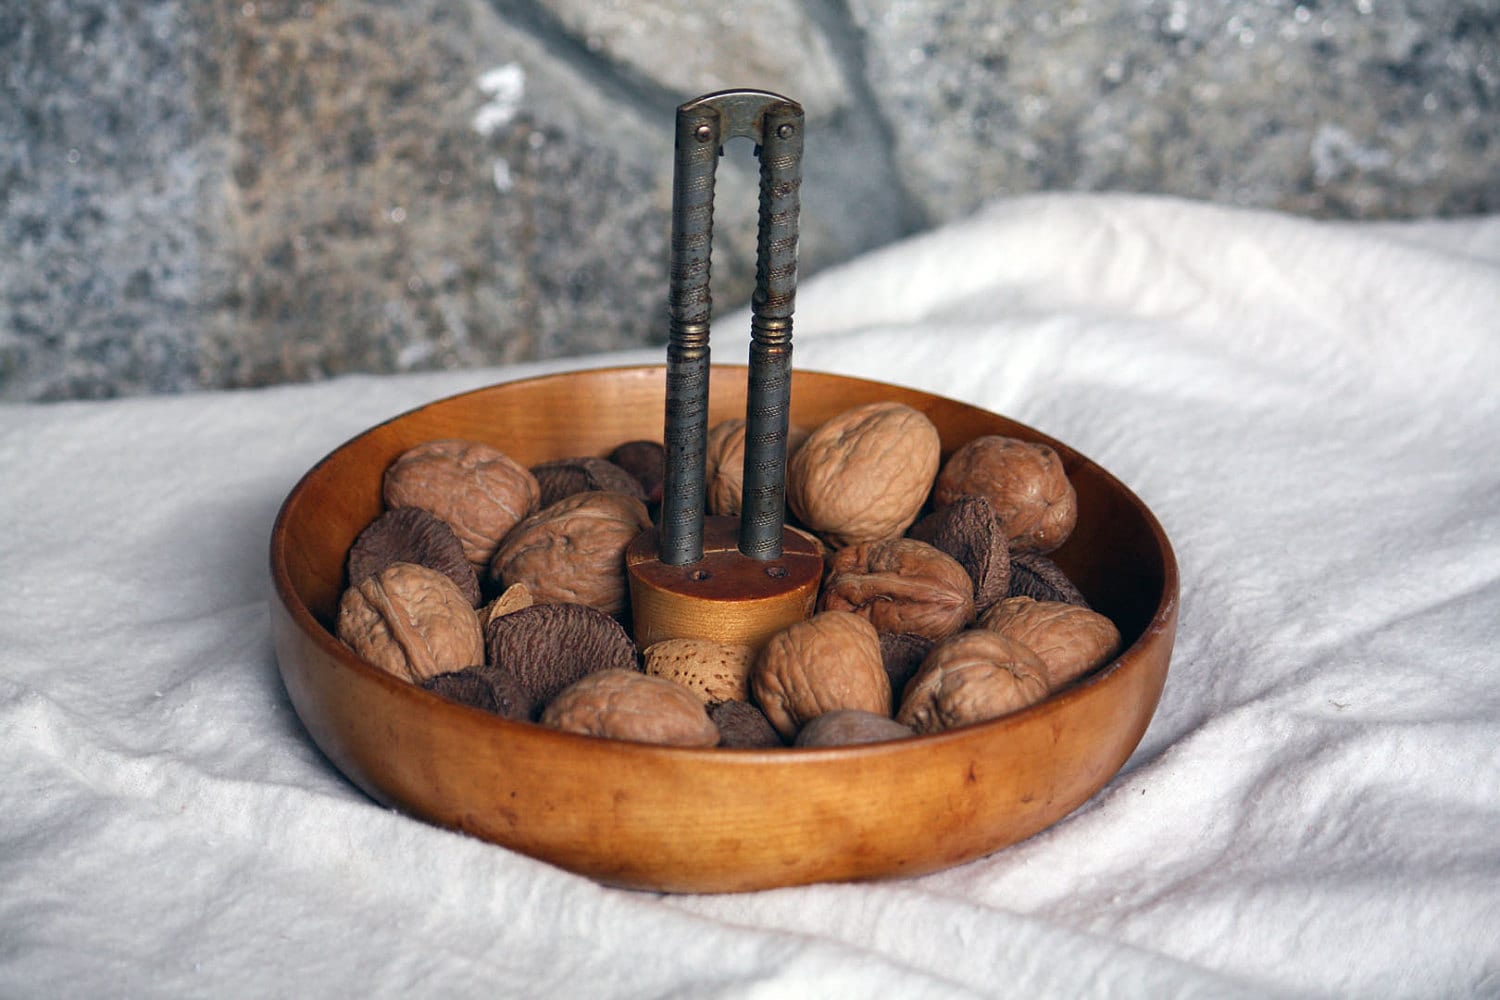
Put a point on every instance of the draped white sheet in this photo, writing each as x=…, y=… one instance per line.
x=1311, y=409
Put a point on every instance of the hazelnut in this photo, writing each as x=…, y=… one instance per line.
x=864, y=474
x=1069, y=640
x=1024, y=481
x=714, y=671
x=546, y=647
x=831, y=660
x=626, y=705
x=970, y=532
x=743, y=725
x=900, y=585
x=410, y=621
x=566, y=476
x=724, y=463
x=478, y=490
x=974, y=676
x=573, y=552
x=848, y=726
x=412, y=535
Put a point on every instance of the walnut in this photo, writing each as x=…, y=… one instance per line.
x=625, y=705
x=566, y=476
x=743, y=725
x=900, y=585
x=478, y=490
x=1025, y=483
x=573, y=552
x=1069, y=640
x=546, y=647
x=410, y=621
x=969, y=531
x=724, y=463
x=831, y=660
x=864, y=474
x=974, y=676
x=714, y=671
x=848, y=726
x=412, y=535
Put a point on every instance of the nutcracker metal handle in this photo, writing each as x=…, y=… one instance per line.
x=704, y=124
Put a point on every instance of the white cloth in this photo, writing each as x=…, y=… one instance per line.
x=1311, y=410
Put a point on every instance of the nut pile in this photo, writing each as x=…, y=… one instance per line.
x=504, y=588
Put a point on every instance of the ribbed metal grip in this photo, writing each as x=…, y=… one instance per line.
x=763, y=503
x=775, y=124
x=690, y=306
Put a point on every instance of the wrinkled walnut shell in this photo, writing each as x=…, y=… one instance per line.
x=573, y=552
x=410, y=621
x=723, y=467
x=970, y=532
x=1024, y=482
x=412, y=535
x=900, y=585
x=625, y=705
x=479, y=491
x=974, y=676
x=847, y=727
x=714, y=671
x=724, y=464
x=831, y=660
x=547, y=647
x=1069, y=640
x=864, y=474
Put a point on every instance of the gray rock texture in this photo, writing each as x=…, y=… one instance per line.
x=198, y=195
x=1327, y=109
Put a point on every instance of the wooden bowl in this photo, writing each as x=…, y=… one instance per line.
x=687, y=820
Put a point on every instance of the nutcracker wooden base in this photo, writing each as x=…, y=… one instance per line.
x=725, y=596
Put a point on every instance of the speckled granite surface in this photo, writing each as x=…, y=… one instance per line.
x=197, y=195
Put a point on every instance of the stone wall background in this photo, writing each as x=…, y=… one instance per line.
x=202, y=195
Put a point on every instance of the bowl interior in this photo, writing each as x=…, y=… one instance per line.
x=665, y=818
